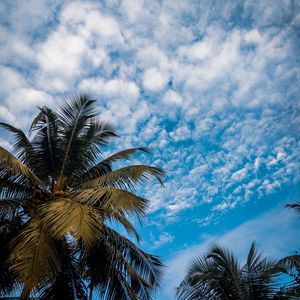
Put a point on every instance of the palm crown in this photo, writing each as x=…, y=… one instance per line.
x=56, y=199
x=218, y=275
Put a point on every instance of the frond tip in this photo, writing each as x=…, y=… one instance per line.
x=126, y=177
x=14, y=167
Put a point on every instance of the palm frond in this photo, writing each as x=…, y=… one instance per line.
x=74, y=116
x=22, y=147
x=120, y=217
x=86, y=148
x=64, y=216
x=204, y=280
x=10, y=205
x=105, y=166
x=259, y=274
x=128, y=271
x=288, y=263
x=229, y=266
x=68, y=283
x=9, y=229
x=14, y=167
x=33, y=258
x=126, y=177
x=46, y=143
x=113, y=198
x=15, y=187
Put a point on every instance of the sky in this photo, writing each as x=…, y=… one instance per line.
x=211, y=87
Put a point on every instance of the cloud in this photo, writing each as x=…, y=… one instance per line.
x=163, y=239
x=274, y=232
x=132, y=9
x=7, y=116
x=115, y=88
x=172, y=98
x=214, y=95
x=77, y=46
x=154, y=80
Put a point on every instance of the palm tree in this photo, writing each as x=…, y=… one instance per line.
x=218, y=275
x=56, y=203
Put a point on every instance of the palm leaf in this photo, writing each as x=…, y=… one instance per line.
x=46, y=143
x=105, y=166
x=15, y=187
x=141, y=272
x=86, y=149
x=22, y=147
x=74, y=115
x=34, y=258
x=113, y=198
x=126, y=177
x=15, y=167
x=230, y=267
x=10, y=205
x=64, y=216
x=120, y=217
x=259, y=274
x=289, y=263
x=9, y=229
x=68, y=283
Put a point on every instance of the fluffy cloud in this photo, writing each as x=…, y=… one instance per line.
x=216, y=97
x=154, y=80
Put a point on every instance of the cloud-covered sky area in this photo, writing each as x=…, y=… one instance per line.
x=211, y=87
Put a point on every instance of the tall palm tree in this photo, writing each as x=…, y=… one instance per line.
x=57, y=200
x=218, y=275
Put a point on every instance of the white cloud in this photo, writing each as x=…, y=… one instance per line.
x=152, y=56
x=27, y=98
x=115, y=88
x=240, y=174
x=10, y=80
x=154, y=80
x=76, y=46
x=198, y=51
x=133, y=9
x=172, y=98
x=7, y=116
x=163, y=239
x=181, y=133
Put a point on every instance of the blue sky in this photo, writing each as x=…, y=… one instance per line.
x=211, y=87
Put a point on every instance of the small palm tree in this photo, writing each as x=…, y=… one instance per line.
x=56, y=201
x=218, y=275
